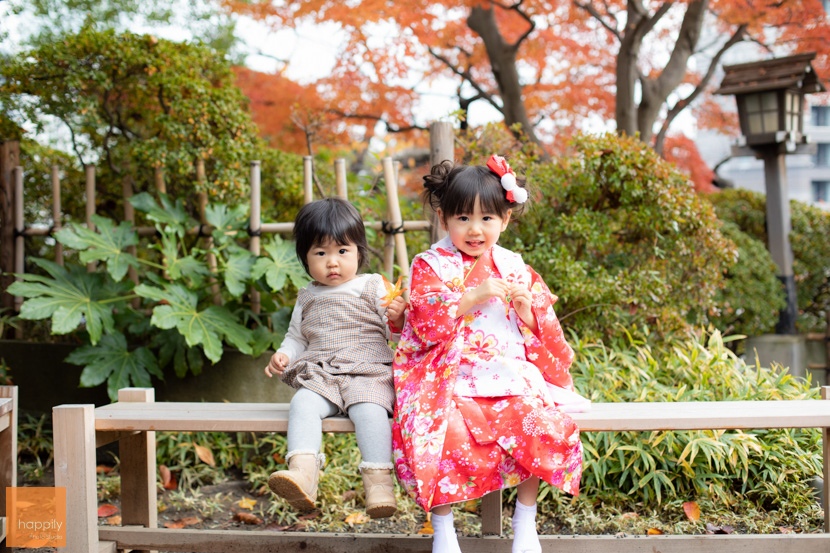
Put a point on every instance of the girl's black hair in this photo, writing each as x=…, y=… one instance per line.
x=330, y=219
x=454, y=189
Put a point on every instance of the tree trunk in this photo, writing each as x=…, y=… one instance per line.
x=502, y=57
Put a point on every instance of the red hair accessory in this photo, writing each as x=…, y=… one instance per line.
x=499, y=166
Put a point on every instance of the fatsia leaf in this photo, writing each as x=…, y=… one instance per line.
x=171, y=213
x=178, y=267
x=238, y=271
x=227, y=222
x=70, y=297
x=113, y=361
x=282, y=264
x=107, y=244
x=206, y=327
x=265, y=339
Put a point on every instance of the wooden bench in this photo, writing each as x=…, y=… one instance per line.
x=133, y=420
x=8, y=449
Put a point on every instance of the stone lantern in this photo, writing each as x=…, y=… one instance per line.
x=770, y=98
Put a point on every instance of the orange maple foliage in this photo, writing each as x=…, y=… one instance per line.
x=682, y=151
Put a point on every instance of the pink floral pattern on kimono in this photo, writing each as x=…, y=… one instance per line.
x=452, y=447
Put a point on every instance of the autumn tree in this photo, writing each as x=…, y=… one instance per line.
x=547, y=66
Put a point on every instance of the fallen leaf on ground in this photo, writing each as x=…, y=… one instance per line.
x=168, y=479
x=114, y=520
x=427, y=528
x=275, y=527
x=471, y=506
x=629, y=516
x=189, y=521
x=278, y=458
x=205, y=455
x=692, y=510
x=348, y=495
x=712, y=529
x=786, y=530
x=247, y=518
x=247, y=503
x=309, y=516
x=654, y=532
x=102, y=469
x=107, y=510
x=357, y=518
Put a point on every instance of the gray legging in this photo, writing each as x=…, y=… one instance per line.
x=371, y=425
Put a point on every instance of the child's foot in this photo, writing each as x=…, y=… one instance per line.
x=444, y=539
x=298, y=484
x=379, y=488
x=525, y=538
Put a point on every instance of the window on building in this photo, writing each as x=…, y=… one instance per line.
x=822, y=156
x=821, y=114
x=821, y=191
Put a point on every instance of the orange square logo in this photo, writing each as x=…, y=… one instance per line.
x=36, y=517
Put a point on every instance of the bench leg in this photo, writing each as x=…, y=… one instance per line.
x=74, y=435
x=8, y=453
x=138, y=469
x=825, y=446
x=491, y=514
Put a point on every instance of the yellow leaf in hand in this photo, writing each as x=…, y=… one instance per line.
x=357, y=518
x=392, y=292
x=247, y=503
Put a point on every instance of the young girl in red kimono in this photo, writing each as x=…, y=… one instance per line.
x=481, y=358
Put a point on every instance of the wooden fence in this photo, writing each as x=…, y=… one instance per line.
x=13, y=230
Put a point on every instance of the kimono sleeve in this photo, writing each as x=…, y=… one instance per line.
x=547, y=347
x=433, y=306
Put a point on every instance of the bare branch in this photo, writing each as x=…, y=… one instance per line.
x=598, y=16
x=468, y=77
x=389, y=127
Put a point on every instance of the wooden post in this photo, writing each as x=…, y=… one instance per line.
x=138, y=469
x=8, y=445
x=308, y=179
x=129, y=215
x=9, y=159
x=825, y=459
x=90, y=206
x=255, y=225
x=19, y=242
x=441, y=147
x=491, y=514
x=207, y=242
x=396, y=220
x=158, y=177
x=340, y=178
x=74, y=438
x=56, y=212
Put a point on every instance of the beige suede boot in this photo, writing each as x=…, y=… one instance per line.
x=298, y=484
x=379, y=486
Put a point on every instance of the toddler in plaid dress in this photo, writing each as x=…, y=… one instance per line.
x=336, y=354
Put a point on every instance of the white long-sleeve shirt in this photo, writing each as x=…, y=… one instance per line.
x=294, y=344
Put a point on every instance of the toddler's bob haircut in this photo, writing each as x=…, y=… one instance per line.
x=332, y=219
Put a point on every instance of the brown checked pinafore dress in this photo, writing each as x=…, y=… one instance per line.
x=348, y=359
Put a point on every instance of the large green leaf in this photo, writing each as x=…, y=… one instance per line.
x=173, y=347
x=177, y=267
x=206, y=327
x=227, y=222
x=70, y=297
x=265, y=339
x=113, y=361
x=170, y=213
x=282, y=264
x=238, y=270
x=107, y=243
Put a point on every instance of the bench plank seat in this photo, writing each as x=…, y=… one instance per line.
x=273, y=417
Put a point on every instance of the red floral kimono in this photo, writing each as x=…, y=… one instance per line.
x=472, y=409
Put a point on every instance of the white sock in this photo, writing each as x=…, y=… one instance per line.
x=444, y=539
x=525, y=538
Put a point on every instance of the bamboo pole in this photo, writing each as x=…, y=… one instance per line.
x=340, y=178
x=207, y=242
x=89, y=171
x=255, y=225
x=308, y=179
x=19, y=244
x=56, y=212
x=395, y=219
x=441, y=148
x=129, y=216
x=158, y=177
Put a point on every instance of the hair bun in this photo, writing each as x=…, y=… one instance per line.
x=437, y=178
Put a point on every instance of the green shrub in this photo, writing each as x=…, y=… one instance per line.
x=811, y=248
x=772, y=467
x=621, y=237
x=752, y=296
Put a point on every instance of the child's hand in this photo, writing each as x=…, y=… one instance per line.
x=396, y=312
x=277, y=365
x=522, y=302
x=490, y=288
